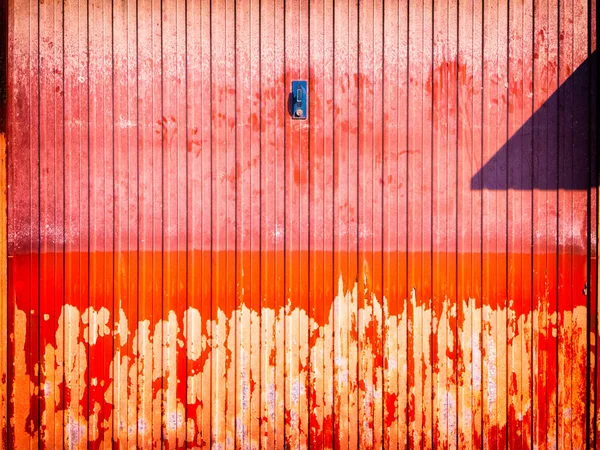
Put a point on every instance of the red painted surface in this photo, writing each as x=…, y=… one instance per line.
x=413, y=266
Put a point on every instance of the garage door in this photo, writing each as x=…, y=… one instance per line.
x=275, y=224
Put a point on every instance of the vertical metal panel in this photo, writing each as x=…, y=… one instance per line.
x=3, y=298
x=545, y=152
x=3, y=231
x=519, y=226
x=413, y=266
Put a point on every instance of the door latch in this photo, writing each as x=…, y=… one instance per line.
x=298, y=100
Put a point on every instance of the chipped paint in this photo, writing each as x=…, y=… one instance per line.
x=205, y=343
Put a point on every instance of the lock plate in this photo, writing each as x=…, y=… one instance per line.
x=298, y=104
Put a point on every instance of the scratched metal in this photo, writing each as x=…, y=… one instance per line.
x=413, y=266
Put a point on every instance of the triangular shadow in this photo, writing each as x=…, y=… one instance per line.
x=552, y=150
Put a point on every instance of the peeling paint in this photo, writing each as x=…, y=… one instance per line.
x=156, y=347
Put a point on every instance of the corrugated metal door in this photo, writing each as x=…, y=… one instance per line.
x=414, y=265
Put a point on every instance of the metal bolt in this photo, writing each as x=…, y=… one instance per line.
x=299, y=112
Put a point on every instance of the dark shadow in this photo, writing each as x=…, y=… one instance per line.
x=290, y=104
x=553, y=149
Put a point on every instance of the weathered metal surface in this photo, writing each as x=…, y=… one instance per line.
x=412, y=266
x=3, y=296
